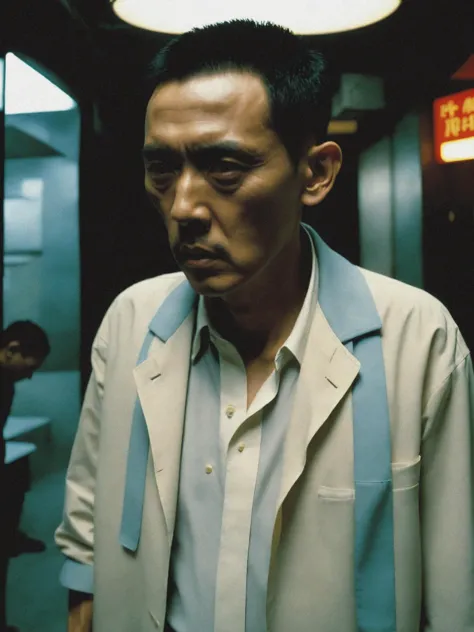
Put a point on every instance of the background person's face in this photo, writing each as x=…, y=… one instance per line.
x=221, y=179
x=19, y=366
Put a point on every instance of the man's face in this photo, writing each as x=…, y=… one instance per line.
x=221, y=179
x=19, y=366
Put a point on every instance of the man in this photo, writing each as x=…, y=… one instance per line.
x=23, y=348
x=275, y=439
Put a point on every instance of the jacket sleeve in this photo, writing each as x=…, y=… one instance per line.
x=75, y=535
x=447, y=502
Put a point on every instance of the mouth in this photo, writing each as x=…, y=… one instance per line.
x=197, y=258
x=200, y=262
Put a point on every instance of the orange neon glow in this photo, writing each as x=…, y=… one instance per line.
x=454, y=127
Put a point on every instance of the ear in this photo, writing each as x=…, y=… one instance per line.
x=321, y=166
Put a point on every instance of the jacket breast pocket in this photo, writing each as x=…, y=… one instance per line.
x=406, y=475
x=336, y=519
x=335, y=494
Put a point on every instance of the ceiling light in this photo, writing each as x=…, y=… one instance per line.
x=304, y=17
x=28, y=91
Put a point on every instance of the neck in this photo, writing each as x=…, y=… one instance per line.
x=258, y=319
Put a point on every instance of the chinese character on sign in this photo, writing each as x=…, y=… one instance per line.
x=468, y=123
x=449, y=109
x=468, y=105
x=452, y=127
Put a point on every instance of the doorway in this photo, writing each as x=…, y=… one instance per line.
x=41, y=283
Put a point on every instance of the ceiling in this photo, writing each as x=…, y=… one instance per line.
x=100, y=59
x=422, y=36
x=20, y=144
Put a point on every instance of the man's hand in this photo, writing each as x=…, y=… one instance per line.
x=80, y=612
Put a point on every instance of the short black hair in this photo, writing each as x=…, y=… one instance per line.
x=31, y=337
x=297, y=79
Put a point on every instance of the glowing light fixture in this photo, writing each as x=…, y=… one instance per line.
x=301, y=16
x=457, y=150
x=28, y=91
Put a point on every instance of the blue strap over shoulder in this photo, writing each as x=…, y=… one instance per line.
x=350, y=310
x=374, y=566
x=136, y=469
x=166, y=321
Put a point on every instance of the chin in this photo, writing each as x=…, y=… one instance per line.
x=214, y=286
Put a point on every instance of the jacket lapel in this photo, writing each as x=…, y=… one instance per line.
x=345, y=311
x=161, y=382
x=327, y=373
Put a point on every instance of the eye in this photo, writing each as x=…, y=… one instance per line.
x=161, y=183
x=157, y=168
x=224, y=167
x=159, y=174
x=227, y=173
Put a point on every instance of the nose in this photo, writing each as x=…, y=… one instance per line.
x=189, y=204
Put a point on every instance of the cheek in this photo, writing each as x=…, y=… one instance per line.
x=252, y=234
x=277, y=223
x=152, y=196
x=267, y=216
x=157, y=203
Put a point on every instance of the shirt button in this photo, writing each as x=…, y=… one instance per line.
x=209, y=469
x=241, y=447
x=229, y=411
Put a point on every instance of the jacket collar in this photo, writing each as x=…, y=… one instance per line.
x=173, y=311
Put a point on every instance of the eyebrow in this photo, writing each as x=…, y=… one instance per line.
x=157, y=151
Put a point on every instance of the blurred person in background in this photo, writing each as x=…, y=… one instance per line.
x=273, y=438
x=23, y=348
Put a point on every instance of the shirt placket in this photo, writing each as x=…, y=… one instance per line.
x=241, y=453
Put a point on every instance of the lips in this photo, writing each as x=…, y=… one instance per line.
x=200, y=263
x=196, y=254
x=199, y=259
x=199, y=256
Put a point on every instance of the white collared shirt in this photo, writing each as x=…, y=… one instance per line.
x=230, y=477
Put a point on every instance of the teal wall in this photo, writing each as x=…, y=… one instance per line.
x=375, y=208
x=47, y=288
x=391, y=204
x=42, y=271
x=407, y=202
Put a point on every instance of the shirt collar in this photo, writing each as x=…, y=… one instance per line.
x=203, y=329
x=295, y=343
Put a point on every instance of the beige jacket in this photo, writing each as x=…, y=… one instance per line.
x=311, y=588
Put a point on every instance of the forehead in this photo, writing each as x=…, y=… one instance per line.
x=224, y=106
